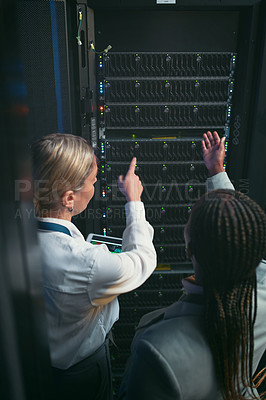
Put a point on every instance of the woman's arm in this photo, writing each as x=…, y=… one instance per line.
x=114, y=274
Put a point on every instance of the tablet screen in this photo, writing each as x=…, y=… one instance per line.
x=114, y=244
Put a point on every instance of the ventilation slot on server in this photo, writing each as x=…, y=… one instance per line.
x=167, y=64
x=165, y=91
x=168, y=90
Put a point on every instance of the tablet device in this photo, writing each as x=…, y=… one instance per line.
x=114, y=244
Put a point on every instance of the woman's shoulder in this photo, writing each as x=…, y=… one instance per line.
x=261, y=273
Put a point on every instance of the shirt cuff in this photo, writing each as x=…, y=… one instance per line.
x=219, y=181
x=135, y=211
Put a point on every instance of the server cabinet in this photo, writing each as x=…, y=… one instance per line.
x=154, y=76
x=25, y=363
x=48, y=53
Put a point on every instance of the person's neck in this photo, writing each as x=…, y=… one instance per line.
x=60, y=214
x=198, y=272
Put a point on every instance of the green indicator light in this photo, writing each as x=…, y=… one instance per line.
x=196, y=80
x=133, y=136
x=161, y=228
x=190, y=186
x=109, y=209
x=188, y=208
x=107, y=142
x=135, y=309
x=160, y=292
x=108, y=187
x=191, y=165
x=163, y=165
x=161, y=247
x=162, y=208
x=192, y=142
x=162, y=187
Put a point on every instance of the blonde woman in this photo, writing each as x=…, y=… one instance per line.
x=82, y=281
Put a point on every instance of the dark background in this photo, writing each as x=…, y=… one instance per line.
x=45, y=88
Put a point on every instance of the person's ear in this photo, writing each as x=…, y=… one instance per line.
x=189, y=252
x=68, y=200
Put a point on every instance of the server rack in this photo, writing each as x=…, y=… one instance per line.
x=166, y=80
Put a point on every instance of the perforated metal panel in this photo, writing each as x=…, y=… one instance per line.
x=43, y=47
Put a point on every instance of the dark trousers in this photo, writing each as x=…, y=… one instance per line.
x=89, y=379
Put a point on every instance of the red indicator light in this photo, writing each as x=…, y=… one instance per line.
x=101, y=108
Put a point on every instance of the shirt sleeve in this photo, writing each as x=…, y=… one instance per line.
x=219, y=181
x=114, y=274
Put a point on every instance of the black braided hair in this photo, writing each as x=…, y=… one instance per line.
x=227, y=231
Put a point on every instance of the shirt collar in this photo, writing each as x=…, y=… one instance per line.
x=191, y=303
x=75, y=233
x=190, y=285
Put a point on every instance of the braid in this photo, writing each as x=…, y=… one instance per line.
x=234, y=227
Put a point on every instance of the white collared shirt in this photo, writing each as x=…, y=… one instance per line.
x=82, y=281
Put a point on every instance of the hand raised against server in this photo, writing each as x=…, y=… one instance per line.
x=130, y=185
x=213, y=152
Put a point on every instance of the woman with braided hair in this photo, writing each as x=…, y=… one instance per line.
x=208, y=345
x=230, y=290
